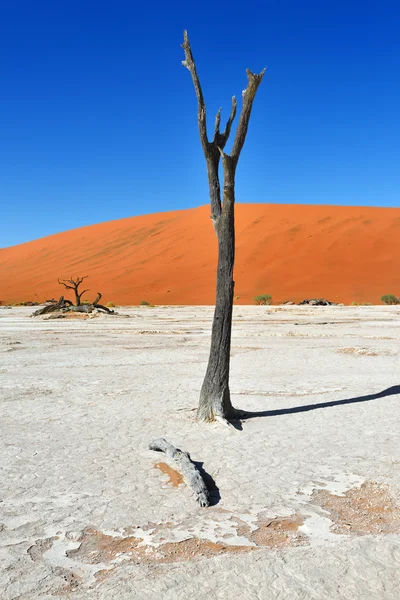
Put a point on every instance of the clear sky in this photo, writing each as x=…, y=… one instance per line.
x=98, y=116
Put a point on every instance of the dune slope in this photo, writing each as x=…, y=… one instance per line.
x=292, y=252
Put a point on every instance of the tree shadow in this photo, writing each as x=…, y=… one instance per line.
x=236, y=422
x=212, y=487
x=391, y=391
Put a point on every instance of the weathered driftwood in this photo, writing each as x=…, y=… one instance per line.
x=64, y=305
x=187, y=468
x=83, y=308
x=318, y=302
x=54, y=305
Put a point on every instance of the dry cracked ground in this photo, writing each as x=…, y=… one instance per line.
x=305, y=496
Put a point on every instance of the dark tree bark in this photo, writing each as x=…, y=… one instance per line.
x=73, y=284
x=215, y=401
x=100, y=306
x=64, y=305
x=53, y=306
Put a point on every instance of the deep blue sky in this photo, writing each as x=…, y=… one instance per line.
x=98, y=117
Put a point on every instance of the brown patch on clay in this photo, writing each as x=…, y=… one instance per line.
x=96, y=547
x=357, y=351
x=148, y=527
x=174, y=477
x=72, y=582
x=103, y=574
x=40, y=547
x=195, y=548
x=274, y=533
x=369, y=509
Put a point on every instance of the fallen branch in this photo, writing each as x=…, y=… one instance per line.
x=64, y=305
x=187, y=468
x=54, y=305
x=101, y=307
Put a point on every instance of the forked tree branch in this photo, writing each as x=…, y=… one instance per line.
x=248, y=94
x=75, y=283
x=220, y=139
x=67, y=287
x=212, y=149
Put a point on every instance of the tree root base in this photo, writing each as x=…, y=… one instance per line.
x=234, y=414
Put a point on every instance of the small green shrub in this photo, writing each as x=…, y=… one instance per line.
x=355, y=304
x=263, y=299
x=110, y=304
x=145, y=303
x=390, y=299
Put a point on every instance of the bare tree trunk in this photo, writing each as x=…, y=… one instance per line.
x=215, y=398
x=215, y=401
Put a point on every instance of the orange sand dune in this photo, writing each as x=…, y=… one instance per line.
x=292, y=252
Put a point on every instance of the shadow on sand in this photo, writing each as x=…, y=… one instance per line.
x=212, y=487
x=392, y=391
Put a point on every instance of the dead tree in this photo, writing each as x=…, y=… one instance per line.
x=53, y=306
x=64, y=305
x=88, y=308
x=73, y=284
x=215, y=401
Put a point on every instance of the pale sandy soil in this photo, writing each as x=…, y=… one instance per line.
x=307, y=505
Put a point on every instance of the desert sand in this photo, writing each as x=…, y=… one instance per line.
x=345, y=254
x=305, y=496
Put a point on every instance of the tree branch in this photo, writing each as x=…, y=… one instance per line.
x=75, y=283
x=67, y=287
x=220, y=139
x=98, y=297
x=78, y=280
x=248, y=94
x=225, y=135
x=201, y=107
x=217, y=124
